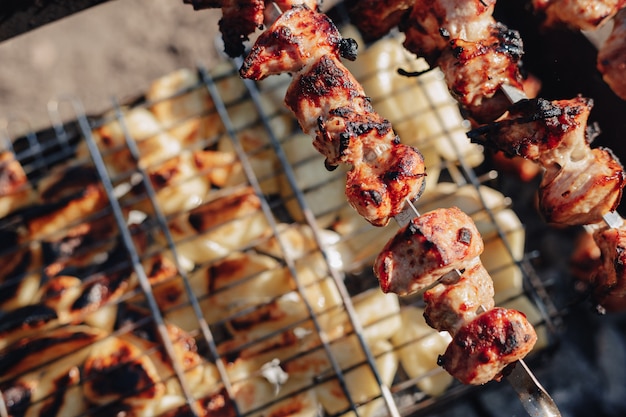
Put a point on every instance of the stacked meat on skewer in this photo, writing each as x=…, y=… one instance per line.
x=330, y=105
x=429, y=253
x=608, y=276
x=580, y=185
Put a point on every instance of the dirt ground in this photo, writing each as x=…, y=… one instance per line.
x=111, y=50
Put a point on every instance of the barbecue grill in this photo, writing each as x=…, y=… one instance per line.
x=285, y=194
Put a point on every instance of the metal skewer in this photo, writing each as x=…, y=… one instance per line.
x=533, y=396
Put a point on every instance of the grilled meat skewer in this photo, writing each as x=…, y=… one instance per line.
x=442, y=247
x=332, y=106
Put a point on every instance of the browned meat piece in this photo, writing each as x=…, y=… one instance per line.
x=299, y=37
x=239, y=19
x=427, y=248
x=578, y=14
x=585, y=259
x=611, y=276
x=347, y=136
x=433, y=23
x=457, y=300
x=481, y=349
x=583, y=191
x=475, y=71
x=540, y=130
x=579, y=184
x=612, y=56
x=378, y=189
x=327, y=86
x=375, y=18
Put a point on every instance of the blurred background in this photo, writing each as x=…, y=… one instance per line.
x=114, y=49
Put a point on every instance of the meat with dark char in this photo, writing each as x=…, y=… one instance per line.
x=331, y=105
x=579, y=184
x=481, y=349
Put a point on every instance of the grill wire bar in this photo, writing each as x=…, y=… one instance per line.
x=221, y=109
x=311, y=221
x=130, y=246
x=204, y=327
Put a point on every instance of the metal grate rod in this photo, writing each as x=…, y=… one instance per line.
x=310, y=219
x=130, y=247
x=223, y=112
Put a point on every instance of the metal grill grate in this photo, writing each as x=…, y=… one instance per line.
x=233, y=108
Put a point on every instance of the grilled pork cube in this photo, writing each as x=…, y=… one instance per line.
x=299, y=37
x=481, y=349
x=378, y=190
x=426, y=249
x=456, y=301
x=321, y=88
x=584, y=190
x=475, y=71
x=433, y=23
x=611, y=276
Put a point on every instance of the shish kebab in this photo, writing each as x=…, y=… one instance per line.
x=589, y=181
x=479, y=58
x=438, y=249
x=609, y=279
